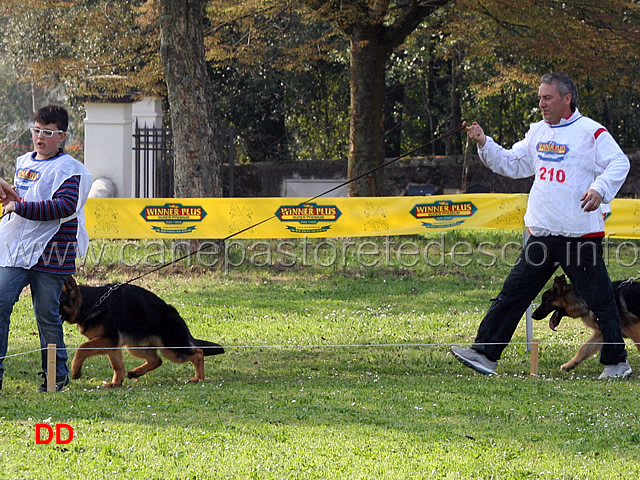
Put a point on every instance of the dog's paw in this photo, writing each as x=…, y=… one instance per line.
x=567, y=366
x=133, y=374
x=76, y=374
x=112, y=385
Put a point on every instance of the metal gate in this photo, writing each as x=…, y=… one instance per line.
x=153, y=160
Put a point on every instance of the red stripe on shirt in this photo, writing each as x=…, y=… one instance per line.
x=598, y=132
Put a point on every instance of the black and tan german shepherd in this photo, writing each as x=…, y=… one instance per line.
x=564, y=300
x=130, y=316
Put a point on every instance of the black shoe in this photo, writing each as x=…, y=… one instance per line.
x=61, y=382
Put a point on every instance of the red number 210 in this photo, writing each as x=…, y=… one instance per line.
x=552, y=175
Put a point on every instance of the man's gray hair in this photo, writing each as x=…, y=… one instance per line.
x=564, y=84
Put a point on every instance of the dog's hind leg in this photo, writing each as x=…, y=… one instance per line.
x=152, y=361
x=590, y=348
x=197, y=358
x=99, y=346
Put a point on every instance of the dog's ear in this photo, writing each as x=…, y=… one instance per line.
x=70, y=300
x=560, y=282
x=70, y=284
x=71, y=288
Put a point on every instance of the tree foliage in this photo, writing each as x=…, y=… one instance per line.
x=277, y=81
x=423, y=99
x=96, y=48
x=374, y=30
x=15, y=104
x=508, y=45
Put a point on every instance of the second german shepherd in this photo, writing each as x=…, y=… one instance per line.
x=564, y=300
x=130, y=316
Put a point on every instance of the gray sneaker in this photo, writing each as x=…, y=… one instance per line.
x=475, y=360
x=619, y=370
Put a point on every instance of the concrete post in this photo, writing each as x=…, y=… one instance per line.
x=108, y=144
x=148, y=112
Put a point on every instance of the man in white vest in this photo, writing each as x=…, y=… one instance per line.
x=42, y=233
x=578, y=169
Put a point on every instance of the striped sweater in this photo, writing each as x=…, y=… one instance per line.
x=59, y=256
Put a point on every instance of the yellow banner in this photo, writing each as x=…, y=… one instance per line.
x=218, y=218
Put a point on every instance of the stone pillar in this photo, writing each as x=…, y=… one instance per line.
x=148, y=112
x=108, y=144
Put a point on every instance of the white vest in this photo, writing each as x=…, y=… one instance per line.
x=567, y=159
x=23, y=241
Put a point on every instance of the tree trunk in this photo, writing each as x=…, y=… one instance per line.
x=197, y=169
x=367, y=83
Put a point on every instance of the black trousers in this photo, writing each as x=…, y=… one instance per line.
x=581, y=259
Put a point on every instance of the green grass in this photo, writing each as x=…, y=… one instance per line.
x=336, y=371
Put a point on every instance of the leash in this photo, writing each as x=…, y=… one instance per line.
x=628, y=281
x=447, y=134
x=116, y=286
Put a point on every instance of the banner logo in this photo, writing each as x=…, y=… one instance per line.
x=444, y=213
x=551, y=151
x=308, y=215
x=173, y=216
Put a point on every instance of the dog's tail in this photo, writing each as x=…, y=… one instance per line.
x=208, y=348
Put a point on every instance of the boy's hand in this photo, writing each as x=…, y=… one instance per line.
x=9, y=207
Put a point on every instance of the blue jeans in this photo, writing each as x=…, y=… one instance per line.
x=45, y=293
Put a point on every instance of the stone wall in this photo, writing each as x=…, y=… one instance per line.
x=443, y=173
x=631, y=188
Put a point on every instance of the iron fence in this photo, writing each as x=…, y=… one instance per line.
x=154, y=162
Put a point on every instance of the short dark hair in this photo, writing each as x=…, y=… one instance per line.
x=53, y=114
x=564, y=84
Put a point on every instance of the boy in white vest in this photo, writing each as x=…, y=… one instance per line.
x=578, y=169
x=42, y=233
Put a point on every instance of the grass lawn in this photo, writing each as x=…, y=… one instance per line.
x=333, y=370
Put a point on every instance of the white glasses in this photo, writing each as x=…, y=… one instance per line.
x=44, y=132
